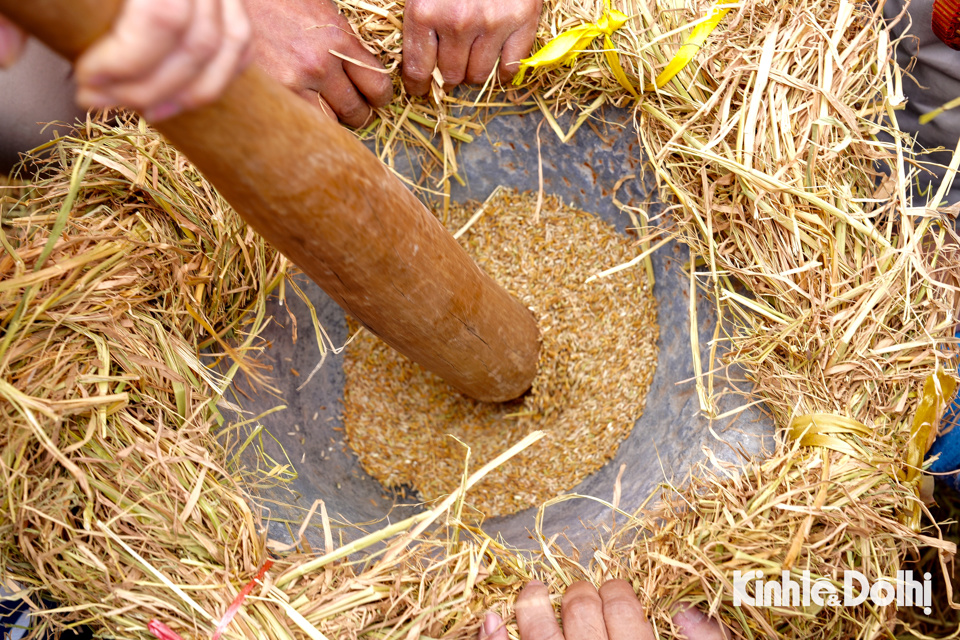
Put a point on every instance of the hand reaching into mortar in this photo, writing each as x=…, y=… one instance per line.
x=612, y=613
x=166, y=56
x=465, y=39
x=305, y=44
x=298, y=42
x=161, y=57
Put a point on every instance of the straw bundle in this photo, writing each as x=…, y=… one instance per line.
x=835, y=290
x=839, y=295
x=119, y=266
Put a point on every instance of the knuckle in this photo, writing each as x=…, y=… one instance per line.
x=239, y=30
x=337, y=36
x=418, y=11
x=415, y=72
x=549, y=634
x=323, y=67
x=169, y=15
x=460, y=19
x=452, y=76
x=489, y=19
x=508, y=68
x=530, y=8
x=479, y=75
x=354, y=112
x=383, y=94
x=204, y=46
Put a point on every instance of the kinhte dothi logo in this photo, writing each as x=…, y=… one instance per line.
x=805, y=592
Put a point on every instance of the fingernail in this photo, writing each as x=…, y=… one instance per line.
x=163, y=111
x=10, y=45
x=689, y=617
x=491, y=622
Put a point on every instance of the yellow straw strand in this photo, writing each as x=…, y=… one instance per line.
x=692, y=46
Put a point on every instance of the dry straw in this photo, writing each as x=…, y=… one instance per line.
x=836, y=287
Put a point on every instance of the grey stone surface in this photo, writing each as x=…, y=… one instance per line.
x=668, y=439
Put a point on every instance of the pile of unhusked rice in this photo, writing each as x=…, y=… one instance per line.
x=596, y=364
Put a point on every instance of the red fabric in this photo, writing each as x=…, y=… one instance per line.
x=946, y=22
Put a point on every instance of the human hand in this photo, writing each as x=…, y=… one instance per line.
x=464, y=38
x=293, y=43
x=162, y=57
x=12, y=41
x=613, y=613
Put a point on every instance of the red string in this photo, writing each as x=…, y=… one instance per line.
x=163, y=632
x=238, y=601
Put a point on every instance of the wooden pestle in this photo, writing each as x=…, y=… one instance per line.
x=318, y=195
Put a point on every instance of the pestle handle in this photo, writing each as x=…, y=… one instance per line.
x=313, y=191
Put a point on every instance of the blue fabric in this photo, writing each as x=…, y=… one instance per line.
x=948, y=446
x=14, y=622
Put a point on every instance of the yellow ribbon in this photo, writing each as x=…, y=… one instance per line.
x=938, y=390
x=825, y=430
x=692, y=45
x=565, y=48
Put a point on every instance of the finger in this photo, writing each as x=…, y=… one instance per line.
x=492, y=628
x=453, y=55
x=419, y=52
x=516, y=48
x=316, y=100
x=581, y=611
x=229, y=61
x=158, y=90
x=694, y=625
x=326, y=108
x=483, y=57
x=12, y=41
x=535, y=616
x=623, y=614
x=339, y=92
x=374, y=85
x=124, y=54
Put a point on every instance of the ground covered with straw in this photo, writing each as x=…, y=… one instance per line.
x=835, y=284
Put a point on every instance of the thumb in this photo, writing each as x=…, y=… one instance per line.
x=12, y=41
x=492, y=628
